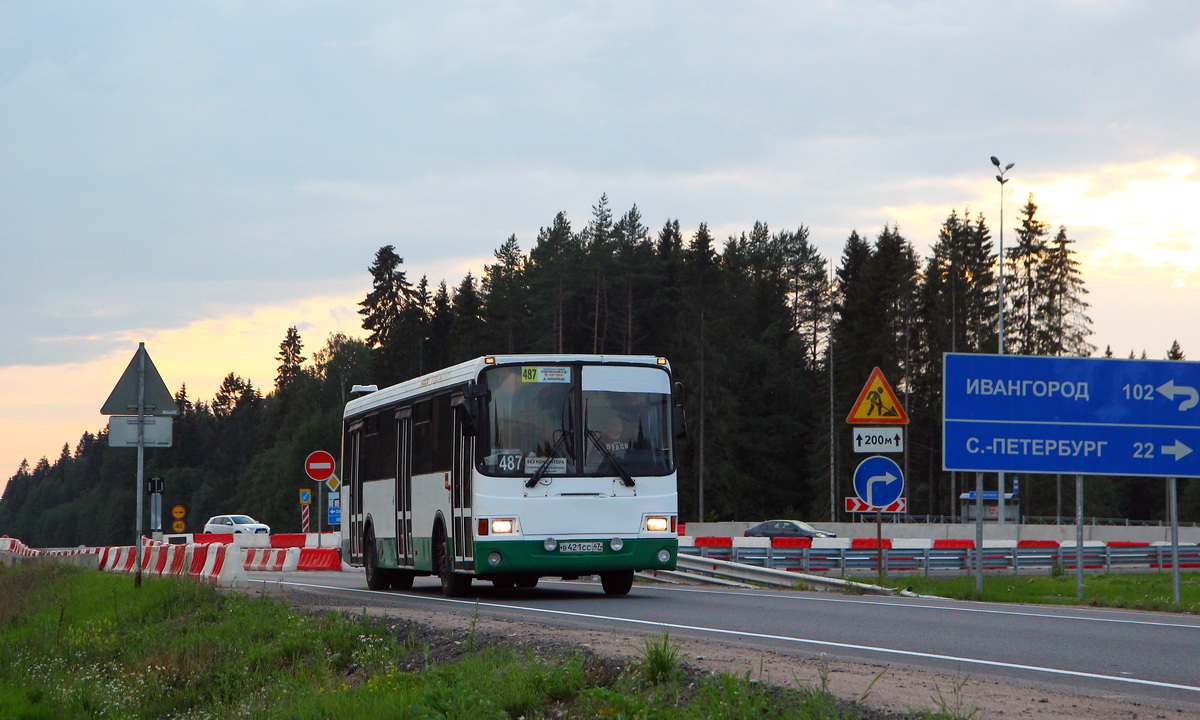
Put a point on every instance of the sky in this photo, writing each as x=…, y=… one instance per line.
x=200, y=176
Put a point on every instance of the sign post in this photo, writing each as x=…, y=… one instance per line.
x=879, y=482
x=305, y=501
x=877, y=404
x=320, y=466
x=141, y=389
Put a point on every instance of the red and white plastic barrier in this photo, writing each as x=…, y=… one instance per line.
x=221, y=563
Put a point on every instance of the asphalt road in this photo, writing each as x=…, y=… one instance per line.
x=1138, y=656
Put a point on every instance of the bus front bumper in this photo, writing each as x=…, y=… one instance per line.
x=574, y=556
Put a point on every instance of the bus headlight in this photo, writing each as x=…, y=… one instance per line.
x=658, y=524
x=664, y=556
x=494, y=558
x=616, y=544
x=550, y=544
x=504, y=526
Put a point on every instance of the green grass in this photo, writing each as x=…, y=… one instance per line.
x=84, y=644
x=1139, y=591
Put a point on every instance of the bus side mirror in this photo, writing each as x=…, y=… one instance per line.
x=467, y=406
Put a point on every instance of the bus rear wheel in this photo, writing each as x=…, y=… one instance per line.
x=376, y=578
x=617, y=582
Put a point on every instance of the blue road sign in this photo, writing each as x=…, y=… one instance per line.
x=1086, y=416
x=878, y=481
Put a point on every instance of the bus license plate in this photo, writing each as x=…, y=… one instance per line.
x=581, y=547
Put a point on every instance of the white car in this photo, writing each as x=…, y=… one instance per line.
x=235, y=524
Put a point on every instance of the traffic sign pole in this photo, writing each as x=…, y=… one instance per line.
x=1173, y=497
x=979, y=533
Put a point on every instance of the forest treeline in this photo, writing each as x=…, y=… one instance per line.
x=771, y=341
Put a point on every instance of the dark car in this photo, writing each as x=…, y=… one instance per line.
x=786, y=528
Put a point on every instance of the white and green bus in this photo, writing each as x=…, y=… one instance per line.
x=510, y=468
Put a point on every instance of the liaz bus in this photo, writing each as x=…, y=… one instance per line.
x=511, y=468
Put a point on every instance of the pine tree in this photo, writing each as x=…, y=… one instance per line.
x=553, y=272
x=385, y=310
x=808, y=292
x=505, y=298
x=290, y=359
x=633, y=255
x=1176, y=351
x=957, y=314
x=228, y=395
x=467, y=319
x=1025, y=283
x=597, y=242
x=1063, y=327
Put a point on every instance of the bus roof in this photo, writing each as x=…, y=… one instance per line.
x=467, y=371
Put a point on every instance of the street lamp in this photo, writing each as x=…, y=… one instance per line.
x=1000, y=509
x=1001, y=179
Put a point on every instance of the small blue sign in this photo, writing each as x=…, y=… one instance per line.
x=878, y=481
x=335, y=515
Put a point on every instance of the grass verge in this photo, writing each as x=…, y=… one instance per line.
x=1137, y=591
x=83, y=644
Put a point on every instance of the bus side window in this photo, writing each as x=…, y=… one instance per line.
x=371, y=469
x=443, y=423
x=422, y=438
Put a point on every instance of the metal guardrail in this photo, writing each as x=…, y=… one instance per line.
x=846, y=561
x=868, y=518
x=717, y=568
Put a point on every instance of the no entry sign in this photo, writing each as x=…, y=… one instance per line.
x=319, y=465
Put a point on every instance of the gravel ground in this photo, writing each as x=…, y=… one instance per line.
x=889, y=690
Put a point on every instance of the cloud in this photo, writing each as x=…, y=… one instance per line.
x=45, y=406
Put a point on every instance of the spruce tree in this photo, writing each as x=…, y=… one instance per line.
x=1025, y=283
x=385, y=311
x=506, y=310
x=290, y=359
x=1063, y=326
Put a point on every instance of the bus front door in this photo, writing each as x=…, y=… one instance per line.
x=352, y=523
x=404, y=548
x=461, y=495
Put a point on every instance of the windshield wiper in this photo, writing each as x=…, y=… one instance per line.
x=541, y=472
x=626, y=478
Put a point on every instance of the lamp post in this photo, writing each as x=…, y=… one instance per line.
x=1001, y=179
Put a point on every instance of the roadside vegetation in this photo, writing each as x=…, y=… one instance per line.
x=84, y=644
x=1136, y=591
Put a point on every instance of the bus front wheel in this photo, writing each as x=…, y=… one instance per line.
x=453, y=584
x=616, y=583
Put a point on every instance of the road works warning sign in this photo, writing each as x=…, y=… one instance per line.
x=877, y=404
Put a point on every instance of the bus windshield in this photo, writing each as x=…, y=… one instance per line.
x=577, y=420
